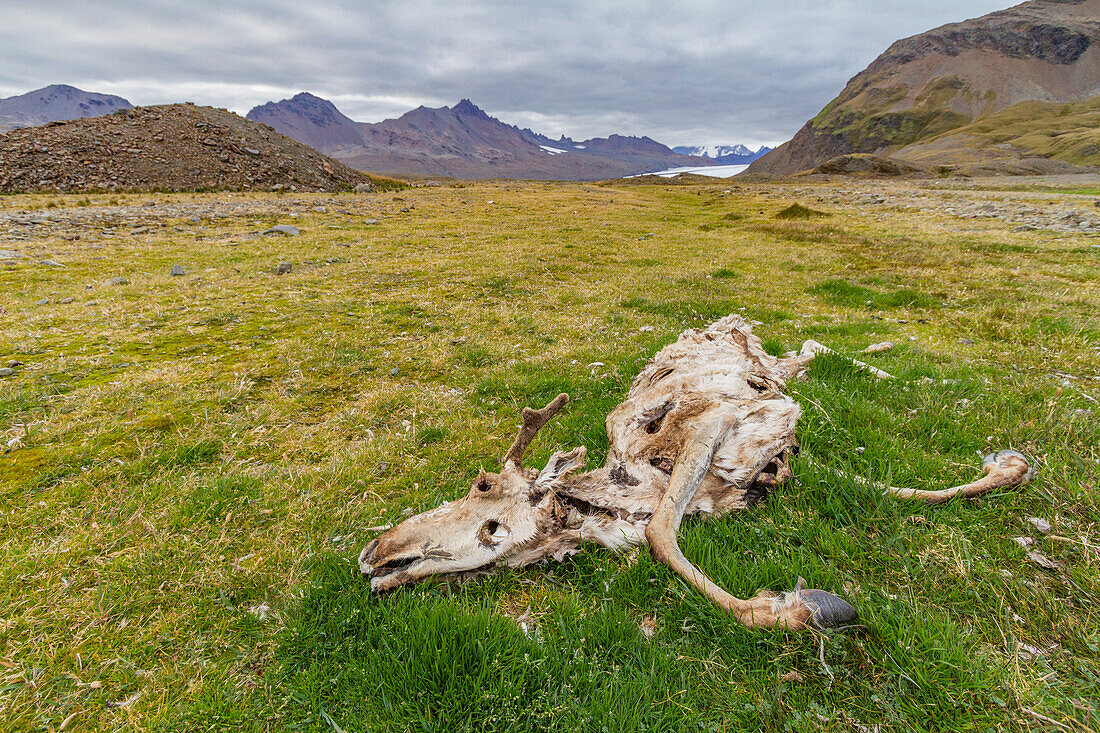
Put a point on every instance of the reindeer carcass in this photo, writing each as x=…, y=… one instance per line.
x=705, y=429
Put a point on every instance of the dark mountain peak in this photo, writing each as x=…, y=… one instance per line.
x=309, y=119
x=467, y=108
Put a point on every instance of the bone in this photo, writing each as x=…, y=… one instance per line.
x=813, y=347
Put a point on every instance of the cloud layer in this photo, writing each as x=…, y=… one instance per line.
x=683, y=73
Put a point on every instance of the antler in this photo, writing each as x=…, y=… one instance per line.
x=533, y=420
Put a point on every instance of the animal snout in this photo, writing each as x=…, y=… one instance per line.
x=365, y=557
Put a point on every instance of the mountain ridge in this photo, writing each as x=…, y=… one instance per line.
x=56, y=103
x=937, y=83
x=462, y=141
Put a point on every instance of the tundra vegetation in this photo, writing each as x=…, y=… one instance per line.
x=193, y=463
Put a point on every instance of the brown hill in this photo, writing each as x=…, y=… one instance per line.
x=463, y=142
x=922, y=88
x=176, y=147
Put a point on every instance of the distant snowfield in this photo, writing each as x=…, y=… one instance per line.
x=715, y=171
x=550, y=150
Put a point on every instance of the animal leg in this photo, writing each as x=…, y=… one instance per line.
x=1005, y=469
x=794, y=610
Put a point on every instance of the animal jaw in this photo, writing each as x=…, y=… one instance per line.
x=705, y=429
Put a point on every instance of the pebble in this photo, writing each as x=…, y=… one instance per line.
x=44, y=301
x=7, y=254
x=394, y=372
x=15, y=363
x=50, y=263
x=6, y=371
x=284, y=229
x=879, y=347
x=67, y=300
x=116, y=281
x=283, y=268
x=177, y=271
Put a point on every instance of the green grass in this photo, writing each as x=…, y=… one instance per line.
x=199, y=460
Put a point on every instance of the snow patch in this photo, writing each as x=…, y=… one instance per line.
x=551, y=151
x=715, y=171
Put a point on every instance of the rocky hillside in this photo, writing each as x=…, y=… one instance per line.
x=177, y=147
x=56, y=102
x=461, y=141
x=928, y=88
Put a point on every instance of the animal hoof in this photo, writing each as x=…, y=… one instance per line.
x=1005, y=458
x=828, y=611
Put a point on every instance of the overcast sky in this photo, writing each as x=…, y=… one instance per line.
x=680, y=72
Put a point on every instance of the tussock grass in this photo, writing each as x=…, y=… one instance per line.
x=199, y=458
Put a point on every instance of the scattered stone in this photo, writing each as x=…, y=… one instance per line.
x=646, y=329
x=370, y=221
x=44, y=301
x=879, y=347
x=7, y=254
x=364, y=188
x=15, y=363
x=320, y=209
x=6, y=371
x=67, y=300
x=116, y=281
x=252, y=151
x=283, y=268
x=1040, y=524
x=285, y=230
x=968, y=342
x=177, y=271
x=50, y=263
x=394, y=372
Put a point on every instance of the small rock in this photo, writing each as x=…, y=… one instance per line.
x=394, y=372
x=6, y=371
x=15, y=363
x=646, y=329
x=364, y=188
x=177, y=271
x=50, y=263
x=320, y=209
x=879, y=347
x=7, y=254
x=67, y=300
x=283, y=268
x=116, y=281
x=1040, y=524
x=252, y=151
x=285, y=230
x=370, y=221
x=968, y=342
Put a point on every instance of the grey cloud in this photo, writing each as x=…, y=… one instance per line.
x=693, y=71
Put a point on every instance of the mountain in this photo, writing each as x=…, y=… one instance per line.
x=985, y=95
x=173, y=147
x=56, y=102
x=463, y=142
x=310, y=120
x=723, y=154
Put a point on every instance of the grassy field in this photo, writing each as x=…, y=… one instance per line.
x=194, y=462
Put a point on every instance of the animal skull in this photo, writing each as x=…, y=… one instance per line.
x=706, y=428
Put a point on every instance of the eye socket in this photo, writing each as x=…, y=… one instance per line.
x=492, y=533
x=484, y=485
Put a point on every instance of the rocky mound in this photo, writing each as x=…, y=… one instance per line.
x=1043, y=51
x=176, y=147
x=868, y=166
